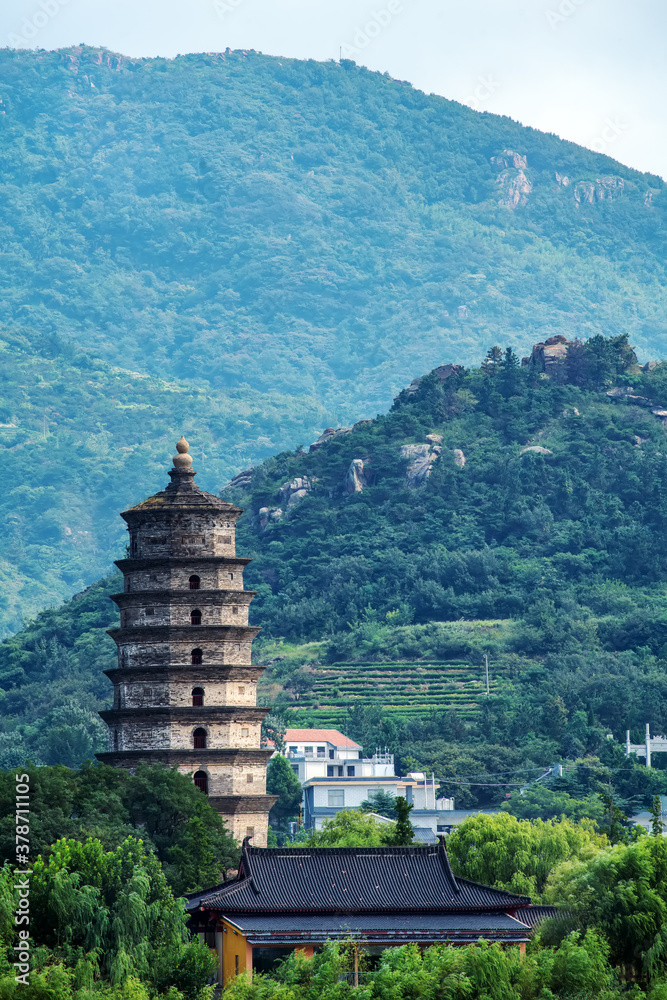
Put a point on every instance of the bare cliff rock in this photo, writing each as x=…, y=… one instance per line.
x=355, y=478
x=512, y=178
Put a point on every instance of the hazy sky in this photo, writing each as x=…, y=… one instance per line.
x=593, y=71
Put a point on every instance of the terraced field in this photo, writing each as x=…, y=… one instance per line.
x=407, y=688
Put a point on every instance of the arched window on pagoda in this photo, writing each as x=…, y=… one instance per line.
x=197, y=697
x=194, y=583
x=201, y=781
x=199, y=739
x=195, y=617
x=196, y=656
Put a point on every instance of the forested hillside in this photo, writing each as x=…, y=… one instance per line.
x=500, y=510
x=253, y=248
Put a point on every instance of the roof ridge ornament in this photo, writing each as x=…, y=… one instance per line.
x=182, y=460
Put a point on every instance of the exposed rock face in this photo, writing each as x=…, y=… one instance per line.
x=355, y=479
x=240, y=480
x=549, y=356
x=508, y=158
x=328, y=434
x=627, y=395
x=291, y=493
x=459, y=458
x=421, y=461
x=443, y=372
x=514, y=183
x=562, y=180
x=601, y=189
x=515, y=188
x=537, y=449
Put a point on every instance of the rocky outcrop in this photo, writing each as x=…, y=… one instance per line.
x=508, y=159
x=328, y=434
x=459, y=458
x=536, y=449
x=422, y=457
x=626, y=394
x=601, y=189
x=355, y=479
x=512, y=178
x=291, y=493
x=240, y=481
x=549, y=357
x=267, y=515
x=562, y=180
x=443, y=372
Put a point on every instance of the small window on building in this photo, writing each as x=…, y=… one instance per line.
x=241, y=689
x=340, y=772
x=249, y=779
x=231, y=576
x=115, y=739
x=150, y=611
x=235, y=609
x=236, y=968
x=295, y=768
x=226, y=539
x=199, y=739
x=361, y=755
x=196, y=656
x=250, y=831
x=197, y=697
x=201, y=781
x=195, y=617
x=321, y=751
x=245, y=731
x=350, y=772
x=127, y=585
x=292, y=749
x=194, y=583
x=336, y=798
x=331, y=754
x=308, y=749
x=330, y=771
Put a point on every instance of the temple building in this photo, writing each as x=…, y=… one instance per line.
x=377, y=897
x=185, y=687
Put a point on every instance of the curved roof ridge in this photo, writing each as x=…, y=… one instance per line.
x=492, y=888
x=446, y=864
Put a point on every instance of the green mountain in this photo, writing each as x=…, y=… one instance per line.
x=258, y=247
x=511, y=511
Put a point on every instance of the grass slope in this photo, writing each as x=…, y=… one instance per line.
x=255, y=247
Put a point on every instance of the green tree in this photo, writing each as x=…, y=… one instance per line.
x=622, y=893
x=352, y=828
x=518, y=855
x=283, y=782
x=380, y=802
x=404, y=833
x=114, y=908
x=657, y=824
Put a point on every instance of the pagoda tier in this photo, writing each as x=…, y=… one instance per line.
x=185, y=688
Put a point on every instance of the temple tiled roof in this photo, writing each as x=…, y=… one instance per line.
x=353, y=880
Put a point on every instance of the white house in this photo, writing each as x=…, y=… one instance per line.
x=326, y=753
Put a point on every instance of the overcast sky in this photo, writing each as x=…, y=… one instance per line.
x=593, y=71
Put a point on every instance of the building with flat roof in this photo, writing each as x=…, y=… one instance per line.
x=289, y=898
x=322, y=753
x=324, y=797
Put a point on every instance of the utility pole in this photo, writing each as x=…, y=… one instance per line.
x=486, y=661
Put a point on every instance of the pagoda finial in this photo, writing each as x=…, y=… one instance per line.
x=182, y=460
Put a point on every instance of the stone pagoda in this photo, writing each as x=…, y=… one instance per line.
x=184, y=687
